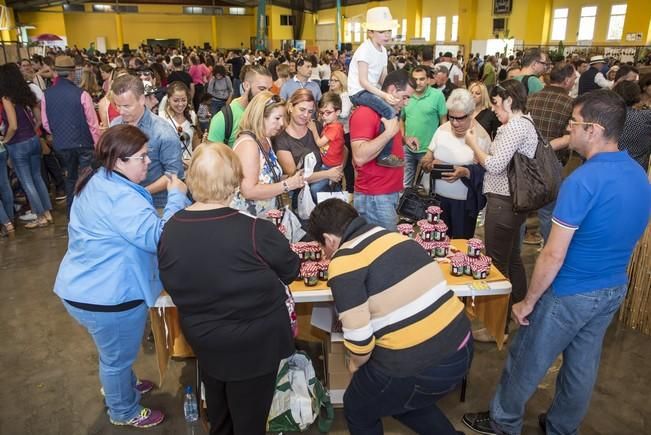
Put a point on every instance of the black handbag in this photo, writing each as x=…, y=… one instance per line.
x=415, y=199
x=534, y=183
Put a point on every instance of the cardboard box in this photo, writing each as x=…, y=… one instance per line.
x=339, y=380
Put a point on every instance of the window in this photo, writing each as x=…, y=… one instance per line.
x=425, y=28
x=197, y=10
x=454, y=32
x=403, y=30
x=237, y=11
x=286, y=20
x=440, y=28
x=616, y=24
x=73, y=8
x=357, y=29
x=559, y=24
x=586, y=24
x=116, y=8
x=348, y=33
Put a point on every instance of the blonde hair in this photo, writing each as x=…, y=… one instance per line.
x=259, y=108
x=214, y=174
x=343, y=80
x=89, y=82
x=485, y=99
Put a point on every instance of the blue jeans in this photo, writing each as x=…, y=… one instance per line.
x=545, y=220
x=381, y=107
x=6, y=195
x=117, y=337
x=216, y=105
x=412, y=160
x=378, y=209
x=73, y=161
x=325, y=185
x=26, y=157
x=572, y=325
x=372, y=395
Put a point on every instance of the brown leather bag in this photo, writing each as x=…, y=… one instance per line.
x=534, y=183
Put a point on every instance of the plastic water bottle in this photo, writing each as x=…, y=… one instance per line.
x=190, y=406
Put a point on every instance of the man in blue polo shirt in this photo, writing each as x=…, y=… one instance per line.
x=580, y=278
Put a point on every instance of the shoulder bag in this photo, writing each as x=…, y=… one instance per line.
x=415, y=199
x=534, y=182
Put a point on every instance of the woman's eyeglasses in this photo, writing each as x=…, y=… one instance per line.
x=457, y=118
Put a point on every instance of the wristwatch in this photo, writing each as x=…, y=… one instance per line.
x=285, y=186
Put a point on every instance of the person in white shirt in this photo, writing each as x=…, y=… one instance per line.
x=580, y=66
x=460, y=191
x=454, y=72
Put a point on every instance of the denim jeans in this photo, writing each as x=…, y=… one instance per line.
x=26, y=157
x=572, y=325
x=412, y=160
x=545, y=220
x=216, y=105
x=381, y=107
x=378, y=209
x=117, y=337
x=6, y=194
x=73, y=161
x=372, y=395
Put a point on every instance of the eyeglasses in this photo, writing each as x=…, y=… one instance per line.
x=326, y=112
x=457, y=118
x=594, y=124
x=545, y=63
x=275, y=99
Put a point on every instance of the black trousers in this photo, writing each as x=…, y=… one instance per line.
x=53, y=172
x=239, y=407
x=74, y=160
x=502, y=234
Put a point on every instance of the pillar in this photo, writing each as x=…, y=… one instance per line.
x=118, y=30
x=414, y=10
x=261, y=26
x=638, y=20
x=213, y=32
x=338, y=25
x=538, y=22
x=467, y=24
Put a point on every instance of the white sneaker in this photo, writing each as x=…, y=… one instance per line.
x=28, y=217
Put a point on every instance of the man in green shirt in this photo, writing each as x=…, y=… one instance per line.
x=257, y=78
x=534, y=64
x=420, y=118
x=489, y=76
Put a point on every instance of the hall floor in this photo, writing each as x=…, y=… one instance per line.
x=49, y=381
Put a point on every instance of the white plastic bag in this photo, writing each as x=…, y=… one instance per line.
x=322, y=196
x=305, y=202
x=294, y=232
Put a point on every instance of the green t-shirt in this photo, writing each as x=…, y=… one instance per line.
x=534, y=84
x=217, y=129
x=422, y=116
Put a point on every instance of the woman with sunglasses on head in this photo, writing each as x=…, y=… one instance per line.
x=263, y=180
x=109, y=275
x=502, y=226
x=178, y=112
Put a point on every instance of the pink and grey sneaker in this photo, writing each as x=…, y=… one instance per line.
x=147, y=418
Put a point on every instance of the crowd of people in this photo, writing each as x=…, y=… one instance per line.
x=115, y=134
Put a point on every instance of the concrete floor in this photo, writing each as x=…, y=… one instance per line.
x=49, y=383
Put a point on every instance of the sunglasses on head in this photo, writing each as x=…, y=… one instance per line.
x=275, y=99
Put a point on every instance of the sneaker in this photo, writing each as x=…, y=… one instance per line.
x=532, y=239
x=147, y=418
x=29, y=216
x=391, y=162
x=142, y=385
x=479, y=422
x=38, y=223
x=542, y=422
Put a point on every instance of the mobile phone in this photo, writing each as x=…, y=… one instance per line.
x=439, y=170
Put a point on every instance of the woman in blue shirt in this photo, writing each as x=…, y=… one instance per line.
x=109, y=275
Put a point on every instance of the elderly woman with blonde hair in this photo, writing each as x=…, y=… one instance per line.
x=227, y=272
x=460, y=189
x=263, y=178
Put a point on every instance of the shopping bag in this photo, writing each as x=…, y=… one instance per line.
x=305, y=202
x=293, y=229
x=300, y=399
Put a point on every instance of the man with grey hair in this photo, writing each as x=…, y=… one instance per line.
x=459, y=190
x=68, y=114
x=164, y=145
x=442, y=80
x=420, y=119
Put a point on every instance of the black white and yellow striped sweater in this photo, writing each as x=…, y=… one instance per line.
x=393, y=301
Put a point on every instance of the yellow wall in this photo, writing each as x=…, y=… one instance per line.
x=84, y=28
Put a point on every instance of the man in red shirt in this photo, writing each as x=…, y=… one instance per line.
x=377, y=188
